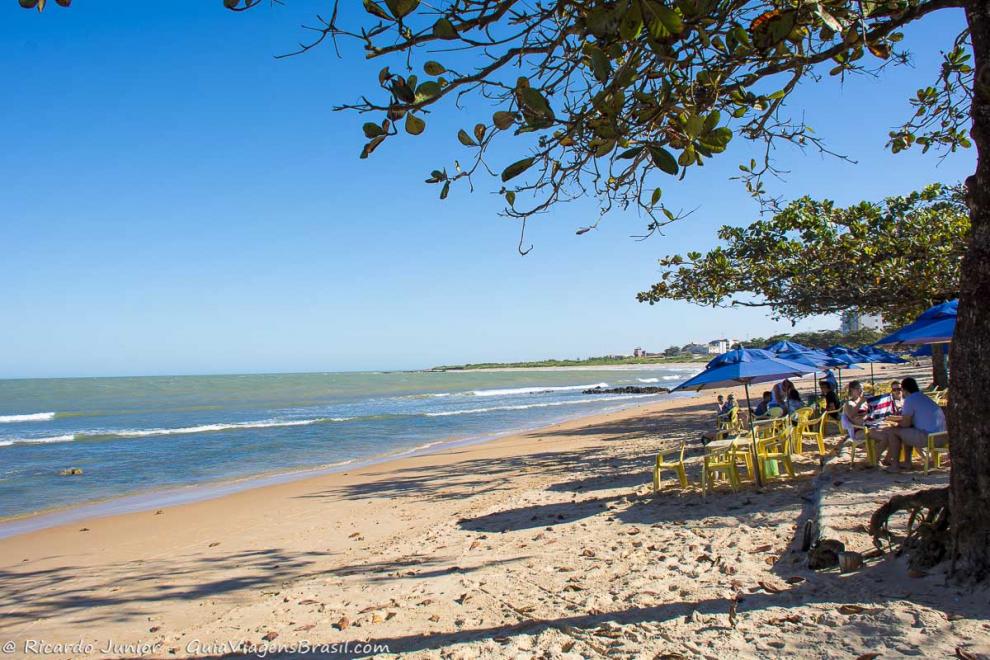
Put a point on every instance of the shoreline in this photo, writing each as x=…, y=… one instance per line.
x=142, y=501
x=547, y=543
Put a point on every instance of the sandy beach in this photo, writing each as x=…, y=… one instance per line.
x=548, y=543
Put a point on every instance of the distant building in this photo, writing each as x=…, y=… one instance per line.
x=696, y=349
x=639, y=352
x=853, y=321
x=719, y=346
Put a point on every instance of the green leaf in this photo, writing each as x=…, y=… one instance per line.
x=445, y=190
x=517, y=168
x=630, y=153
x=600, y=65
x=534, y=100
x=656, y=196
x=427, y=90
x=414, y=125
x=401, y=8
x=444, y=29
x=712, y=120
x=479, y=132
x=375, y=10
x=670, y=19
x=663, y=159
x=434, y=68
x=372, y=130
x=510, y=197
x=466, y=139
x=503, y=120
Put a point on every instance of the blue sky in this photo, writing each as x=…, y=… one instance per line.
x=175, y=200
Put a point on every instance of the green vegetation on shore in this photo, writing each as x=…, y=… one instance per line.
x=586, y=362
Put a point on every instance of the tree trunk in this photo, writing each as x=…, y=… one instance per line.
x=969, y=423
x=940, y=367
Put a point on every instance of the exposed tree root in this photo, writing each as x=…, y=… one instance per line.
x=927, y=538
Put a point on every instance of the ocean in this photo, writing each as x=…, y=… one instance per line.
x=154, y=435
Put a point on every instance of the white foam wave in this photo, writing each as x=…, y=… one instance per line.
x=32, y=417
x=203, y=428
x=648, y=380
x=535, y=390
x=32, y=441
x=208, y=428
x=473, y=411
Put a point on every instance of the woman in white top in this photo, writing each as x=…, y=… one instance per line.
x=855, y=410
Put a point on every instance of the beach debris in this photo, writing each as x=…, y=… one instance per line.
x=769, y=588
x=269, y=636
x=306, y=628
x=159, y=512
x=763, y=548
x=851, y=609
x=587, y=552
x=868, y=656
x=733, y=605
x=474, y=545
x=633, y=531
x=84, y=529
x=794, y=579
x=154, y=629
x=70, y=472
x=214, y=544
x=377, y=618
x=435, y=618
x=343, y=624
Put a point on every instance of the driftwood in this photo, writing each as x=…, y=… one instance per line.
x=927, y=538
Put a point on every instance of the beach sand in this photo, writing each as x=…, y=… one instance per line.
x=548, y=543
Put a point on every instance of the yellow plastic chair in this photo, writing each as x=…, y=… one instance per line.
x=728, y=421
x=867, y=442
x=806, y=428
x=827, y=419
x=720, y=465
x=776, y=448
x=664, y=464
x=938, y=446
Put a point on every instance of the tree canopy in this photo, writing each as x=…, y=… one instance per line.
x=895, y=258
x=612, y=98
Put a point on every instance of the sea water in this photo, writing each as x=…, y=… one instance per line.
x=153, y=434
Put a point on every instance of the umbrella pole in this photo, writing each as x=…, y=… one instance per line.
x=839, y=369
x=872, y=381
x=752, y=435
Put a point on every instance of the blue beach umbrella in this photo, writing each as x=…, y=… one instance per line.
x=878, y=356
x=812, y=357
x=744, y=366
x=935, y=325
x=786, y=346
x=845, y=358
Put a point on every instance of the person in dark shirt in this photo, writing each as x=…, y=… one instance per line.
x=763, y=407
x=831, y=399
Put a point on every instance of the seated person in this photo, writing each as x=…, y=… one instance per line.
x=855, y=411
x=920, y=416
x=897, y=396
x=829, y=377
x=727, y=409
x=831, y=399
x=763, y=407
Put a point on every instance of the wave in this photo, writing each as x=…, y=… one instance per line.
x=648, y=380
x=473, y=411
x=32, y=441
x=32, y=417
x=202, y=428
x=535, y=390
